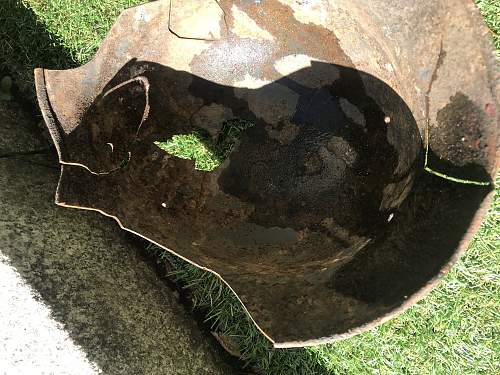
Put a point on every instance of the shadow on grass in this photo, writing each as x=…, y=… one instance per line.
x=25, y=45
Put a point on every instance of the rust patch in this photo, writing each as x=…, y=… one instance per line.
x=184, y=19
x=235, y=57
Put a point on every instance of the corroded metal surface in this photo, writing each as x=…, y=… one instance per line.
x=321, y=219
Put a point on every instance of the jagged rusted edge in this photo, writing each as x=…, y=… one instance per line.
x=55, y=130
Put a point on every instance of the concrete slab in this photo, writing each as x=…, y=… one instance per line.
x=18, y=131
x=31, y=340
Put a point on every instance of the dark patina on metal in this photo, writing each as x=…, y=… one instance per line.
x=322, y=219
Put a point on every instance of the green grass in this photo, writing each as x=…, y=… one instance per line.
x=52, y=34
x=193, y=147
x=198, y=146
x=455, y=330
x=490, y=9
x=79, y=25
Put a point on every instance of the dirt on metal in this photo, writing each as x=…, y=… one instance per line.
x=322, y=219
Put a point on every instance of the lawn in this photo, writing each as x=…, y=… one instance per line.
x=454, y=330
